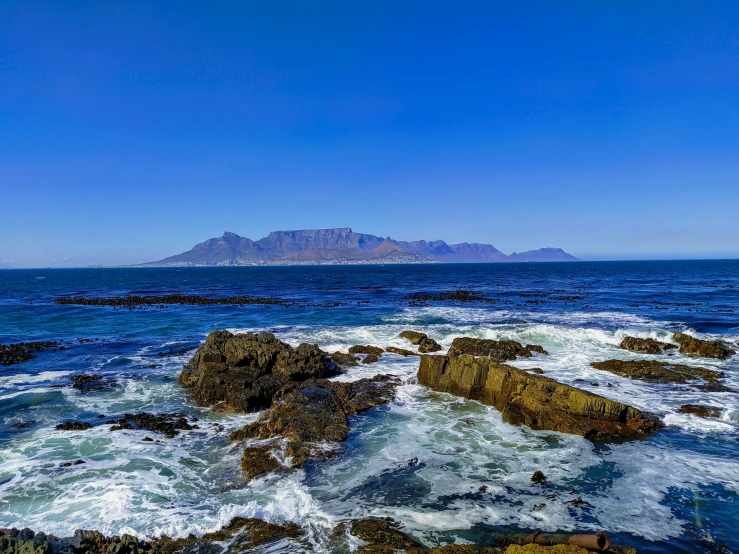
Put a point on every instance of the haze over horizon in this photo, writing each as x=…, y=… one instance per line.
x=131, y=132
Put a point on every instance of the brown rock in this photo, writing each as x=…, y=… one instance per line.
x=243, y=372
x=654, y=371
x=428, y=345
x=534, y=400
x=370, y=359
x=366, y=349
x=692, y=346
x=538, y=477
x=538, y=549
x=401, y=351
x=499, y=349
x=258, y=460
x=342, y=359
x=413, y=336
x=383, y=535
x=700, y=410
x=647, y=346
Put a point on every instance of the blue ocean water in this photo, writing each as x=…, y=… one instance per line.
x=677, y=491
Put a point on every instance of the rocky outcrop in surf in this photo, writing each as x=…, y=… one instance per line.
x=19, y=352
x=646, y=346
x=498, y=349
x=654, y=371
x=700, y=410
x=425, y=344
x=242, y=373
x=305, y=418
x=692, y=346
x=534, y=400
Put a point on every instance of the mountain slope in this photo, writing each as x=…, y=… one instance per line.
x=343, y=245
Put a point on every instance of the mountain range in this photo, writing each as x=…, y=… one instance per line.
x=344, y=246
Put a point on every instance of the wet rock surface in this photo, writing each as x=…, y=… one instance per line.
x=428, y=345
x=534, y=400
x=343, y=359
x=90, y=382
x=498, y=349
x=307, y=418
x=366, y=349
x=242, y=373
x=414, y=337
x=692, y=346
x=240, y=536
x=168, y=425
x=700, y=410
x=646, y=346
x=655, y=371
x=74, y=426
x=19, y=352
x=401, y=351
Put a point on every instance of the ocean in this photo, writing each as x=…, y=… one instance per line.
x=676, y=491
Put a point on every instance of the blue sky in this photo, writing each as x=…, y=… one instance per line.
x=130, y=131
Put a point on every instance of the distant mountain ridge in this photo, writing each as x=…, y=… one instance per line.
x=344, y=246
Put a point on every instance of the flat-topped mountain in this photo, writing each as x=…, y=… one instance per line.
x=344, y=246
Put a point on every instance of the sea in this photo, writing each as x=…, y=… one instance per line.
x=676, y=491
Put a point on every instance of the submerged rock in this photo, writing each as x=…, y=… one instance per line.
x=74, y=426
x=647, y=346
x=413, y=336
x=534, y=400
x=692, y=346
x=242, y=373
x=307, y=417
x=700, y=410
x=89, y=382
x=401, y=351
x=19, y=352
x=168, y=425
x=498, y=349
x=655, y=371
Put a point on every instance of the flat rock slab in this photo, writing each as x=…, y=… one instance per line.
x=646, y=346
x=534, y=400
x=498, y=349
x=655, y=371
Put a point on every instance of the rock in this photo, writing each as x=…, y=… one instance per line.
x=413, y=336
x=534, y=400
x=647, y=346
x=700, y=410
x=428, y=345
x=401, y=351
x=366, y=349
x=258, y=460
x=242, y=373
x=499, y=349
x=309, y=415
x=654, y=371
x=537, y=370
x=168, y=425
x=383, y=535
x=370, y=359
x=692, y=346
x=19, y=352
x=346, y=360
x=538, y=549
x=74, y=426
x=89, y=382
x=539, y=478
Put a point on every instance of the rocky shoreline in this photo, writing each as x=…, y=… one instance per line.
x=303, y=415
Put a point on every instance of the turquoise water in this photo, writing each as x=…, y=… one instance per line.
x=675, y=492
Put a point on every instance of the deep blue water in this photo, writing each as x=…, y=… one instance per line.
x=674, y=492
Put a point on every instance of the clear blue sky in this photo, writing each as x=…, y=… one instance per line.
x=130, y=131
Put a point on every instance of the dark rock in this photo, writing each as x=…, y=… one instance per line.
x=692, y=346
x=370, y=359
x=428, y=345
x=74, y=426
x=700, y=410
x=342, y=359
x=242, y=373
x=654, y=371
x=534, y=400
x=314, y=413
x=413, y=336
x=647, y=346
x=86, y=382
x=498, y=349
x=538, y=477
x=19, y=352
x=168, y=425
x=366, y=349
x=401, y=351
x=132, y=301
